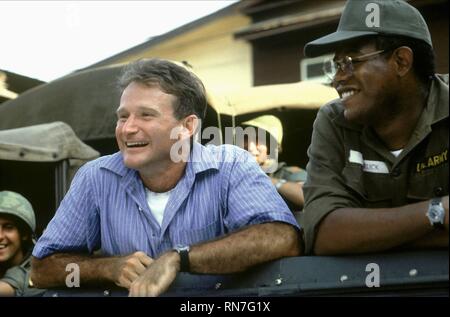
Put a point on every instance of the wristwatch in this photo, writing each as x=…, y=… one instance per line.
x=280, y=183
x=183, y=251
x=436, y=213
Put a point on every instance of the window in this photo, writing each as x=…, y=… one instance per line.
x=311, y=69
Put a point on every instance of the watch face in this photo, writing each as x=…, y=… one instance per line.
x=436, y=213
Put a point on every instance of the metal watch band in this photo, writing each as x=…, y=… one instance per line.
x=436, y=200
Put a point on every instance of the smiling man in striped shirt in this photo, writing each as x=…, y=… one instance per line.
x=153, y=212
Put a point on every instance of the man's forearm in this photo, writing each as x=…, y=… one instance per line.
x=240, y=250
x=51, y=271
x=435, y=239
x=353, y=230
x=293, y=192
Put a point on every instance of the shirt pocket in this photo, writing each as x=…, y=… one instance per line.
x=353, y=178
x=379, y=188
x=372, y=189
x=198, y=234
x=428, y=184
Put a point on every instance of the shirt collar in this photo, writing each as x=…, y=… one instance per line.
x=201, y=159
x=437, y=105
x=114, y=163
x=130, y=179
x=435, y=110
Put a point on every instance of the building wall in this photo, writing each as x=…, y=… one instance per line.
x=222, y=62
x=277, y=58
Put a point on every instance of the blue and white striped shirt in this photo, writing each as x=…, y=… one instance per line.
x=222, y=189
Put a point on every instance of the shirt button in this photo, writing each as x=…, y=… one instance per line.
x=395, y=172
x=438, y=191
x=140, y=209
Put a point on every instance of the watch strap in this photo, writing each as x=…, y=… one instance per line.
x=436, y=201
x=184, y=259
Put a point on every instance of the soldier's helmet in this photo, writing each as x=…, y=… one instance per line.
x=269, y=123
x=15, y=204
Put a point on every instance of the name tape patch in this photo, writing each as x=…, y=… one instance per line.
x=368, y=165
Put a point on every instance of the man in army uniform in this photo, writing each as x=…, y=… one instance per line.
x=378, y=160
x=17, y=226
x=288, y=180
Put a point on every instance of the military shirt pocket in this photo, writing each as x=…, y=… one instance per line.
x=428, y=184
x=353, y=178
x=379, y=190
x=372, y=188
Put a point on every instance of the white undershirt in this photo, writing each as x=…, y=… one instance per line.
x=397, y=152
x=157, y=203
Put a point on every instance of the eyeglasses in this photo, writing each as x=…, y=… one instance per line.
x=331, y=67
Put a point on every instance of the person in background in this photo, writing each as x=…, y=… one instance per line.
x=17, y=226
x=288, y=180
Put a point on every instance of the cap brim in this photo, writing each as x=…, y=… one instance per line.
x=327, y=43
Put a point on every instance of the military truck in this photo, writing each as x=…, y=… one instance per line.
x=38, y=162
x=86, y=102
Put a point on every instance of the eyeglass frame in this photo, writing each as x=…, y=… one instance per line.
x=347, y=62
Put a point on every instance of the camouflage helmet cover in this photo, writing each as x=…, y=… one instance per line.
x=15, y=204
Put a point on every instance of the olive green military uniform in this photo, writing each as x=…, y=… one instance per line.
x=350, y=167
x=289, y=173
x=19, y=278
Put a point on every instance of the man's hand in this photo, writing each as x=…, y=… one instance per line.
x=130, y=267
x=158, y=277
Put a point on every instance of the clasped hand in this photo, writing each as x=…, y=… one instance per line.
x=146, y=277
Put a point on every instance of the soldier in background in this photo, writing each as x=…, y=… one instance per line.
x=288, y=180
x=17, y=226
